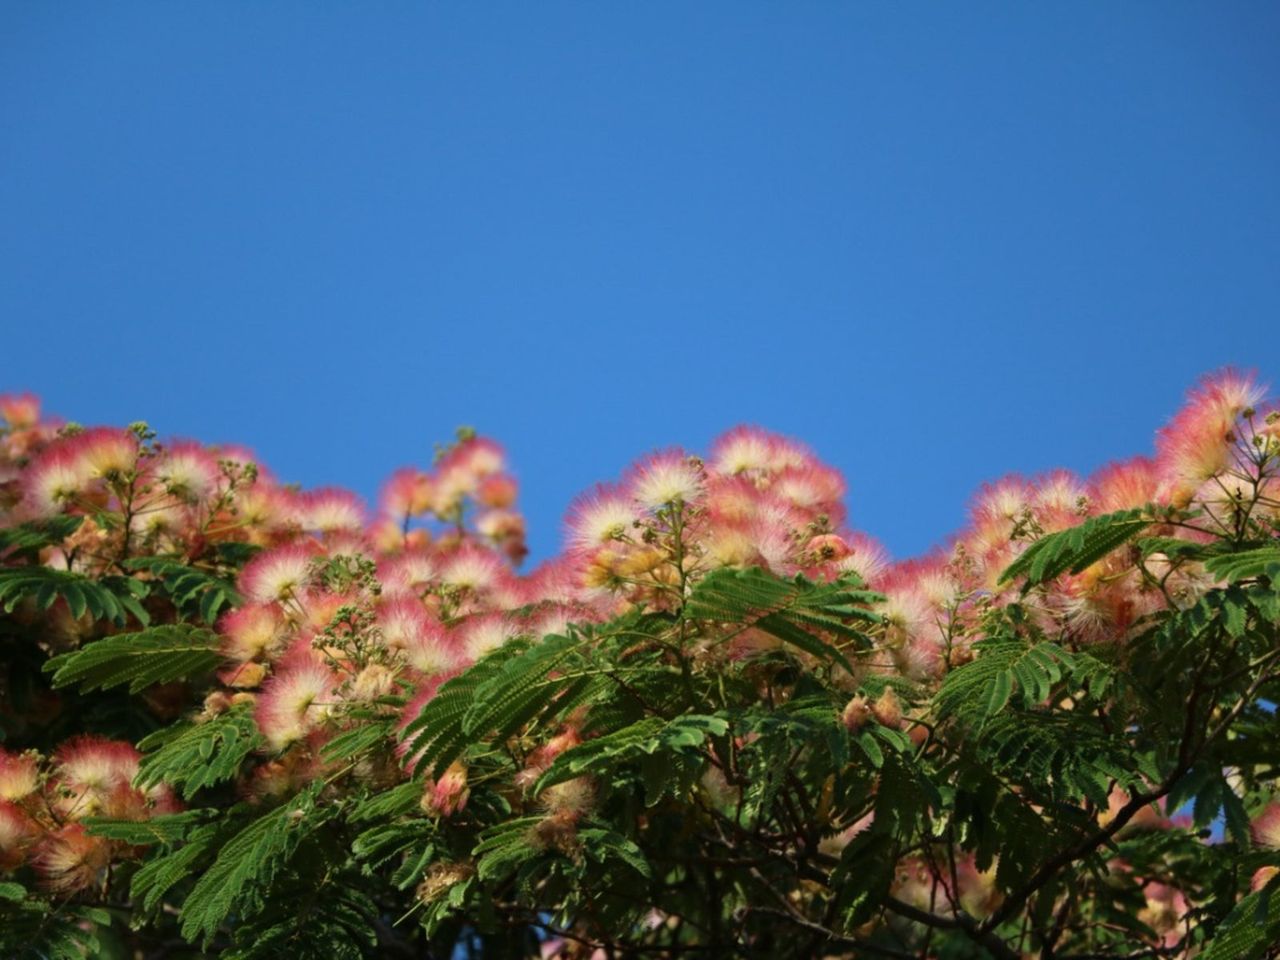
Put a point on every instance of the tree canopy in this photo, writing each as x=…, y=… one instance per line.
x=245, y=720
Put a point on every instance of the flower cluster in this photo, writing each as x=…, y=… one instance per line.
x=1214, y=472
x=346, y=616
x=44, y=802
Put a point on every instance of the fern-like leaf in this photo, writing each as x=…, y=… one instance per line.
x=810, y=616
x=32, y=929
x=982, y=688
x=436, y=737
x=162, y=872
x=505, y=846
x=1250, y=929
x=512, y=696
x=194, y=591
x=1070, y=551
x=368, y=734
x=198, y=755
x=45, y=585
x=156, y=655
x=1247, y=564
x=651, y=736
x=238, y=880
x=37, y=534
x=331, y=921
x=144, y=833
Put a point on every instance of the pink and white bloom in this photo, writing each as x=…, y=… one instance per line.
x=277, y=574
x=330, y=509
x=188, y=471
x=601, y=515
x=55, y=477
x=666, y=478
x=295, y=700
x=19, y=775
x=253, y=630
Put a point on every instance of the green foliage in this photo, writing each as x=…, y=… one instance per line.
x=1247, y=564
x=173, y=866
x=35, y=535
x=437, y=736
x=111, y=598
x=158, y=654
x=369, y=734
x=1003, y=667
x=1070, y=551
x=193, y=756
x=799, y=612
x=668, y=743
x=1251, y=930
x=30, y=929
x=329, y=921
x=161, y=829
x=505, y=846
x=520, y=687
x=195, y=592
x=238, y=880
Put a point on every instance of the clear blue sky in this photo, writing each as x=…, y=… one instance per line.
x=938, y=242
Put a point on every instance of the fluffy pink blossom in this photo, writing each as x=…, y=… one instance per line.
x=279, y=573
x=188, y=471
x=19, y=775
x=20, y=410
x=295, y=700
x=666, y=478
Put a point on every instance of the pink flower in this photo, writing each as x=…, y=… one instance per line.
x=295, y=700
x=277, y=574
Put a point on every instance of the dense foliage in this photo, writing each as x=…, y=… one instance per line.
x=244, y=720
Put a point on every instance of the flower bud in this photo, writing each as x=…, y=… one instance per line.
x=856, y=713
x=1261, y=877
x=448, y=795
x=887, y=709
x=1266, y=826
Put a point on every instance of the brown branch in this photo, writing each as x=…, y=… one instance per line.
x=1186, y=759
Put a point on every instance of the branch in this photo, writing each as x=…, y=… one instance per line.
x=1186, y=759
x=961, y=921
x=832, y=936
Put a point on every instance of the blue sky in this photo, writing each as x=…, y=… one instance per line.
x=939, y=242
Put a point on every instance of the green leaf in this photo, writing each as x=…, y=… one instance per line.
x=813, y=617
x=872, y=749
x=515, y=693
x=504, y=847
x=161, y=873
x=864, y=876
x=194, y=591
x=1246, y=564
x=358, y=740
x=36, y=534
x=30, y=929
x=198, y=755
x=667, y=751
x=603, y=844
x=1070, y=551
x=998, y=693
x=983, y=687
x=437, y=737
x=141, y=833
x=328, y=921
x=1250, y=929
x=397, y=801
x=44, y=585
x=155, y=655
x=239, y=878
